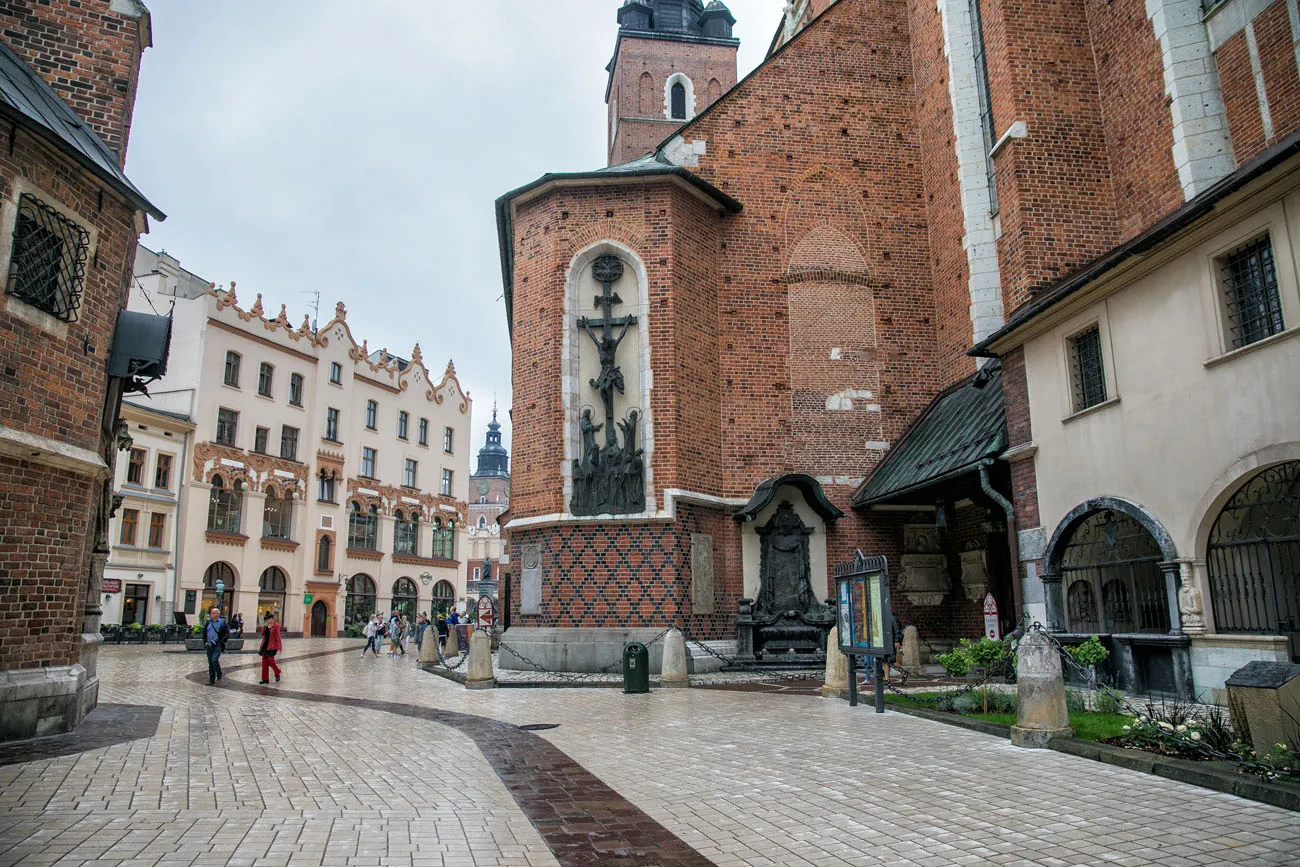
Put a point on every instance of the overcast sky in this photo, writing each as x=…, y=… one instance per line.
x=356, y=149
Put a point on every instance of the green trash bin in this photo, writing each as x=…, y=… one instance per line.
x=636, y=668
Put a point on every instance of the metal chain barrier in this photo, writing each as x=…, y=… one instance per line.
x=437, y=645
x=575, y=676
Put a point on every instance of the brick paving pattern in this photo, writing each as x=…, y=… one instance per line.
x=420, y=771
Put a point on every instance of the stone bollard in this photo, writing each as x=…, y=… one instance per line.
x=478, y=670
x=429, y=647
x=837, y=667
x=453, y=643
x=1041, y=714
x=910, y=655
x=673, y=673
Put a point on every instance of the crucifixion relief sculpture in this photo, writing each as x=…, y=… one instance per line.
x=608, y=478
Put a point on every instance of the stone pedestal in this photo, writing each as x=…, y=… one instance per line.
x=564, y=648
x=1041, y=714
x=429, y=647
x=1264, y=700
x=674, y=674
x=837, y=667
x=478, y=670
x=909, y=656
x=453, y=643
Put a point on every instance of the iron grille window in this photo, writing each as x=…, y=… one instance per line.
x=157, y=526
x=403, y=423
x=227, y=425
x=446, y=483
x=260, y=438
x=336, y=372
x=47, y=263
x=232, y=369
x=265, y=373
x=424, y=431
x=135, y=467
x=1086, y=370
x=409, y=473
x=678, y=101
x=1250, y=285
x=372, y=414
x=289, y=443
x=295, y=389
x=363, y=528
x=368, y=457
x=162, y=474
x=130, y=519
x=332, y=424
x=277, y=517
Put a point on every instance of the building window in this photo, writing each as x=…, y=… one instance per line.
x=47, y=263
x=360, y=604
x=985, y=100
x=424, y=431
x=448, y=439
x=135, y=604
x=135, y=467
x=336, y=373
x=271, y=596
x=678, y=101
x=162, y=474
x=406, y=535
x=265, y=375
x=1087, y=373
x=295, y=389
x=482, y=522
x=289, y=443
x=225, y=505
x=409, y=473
x=130, y=518
x=157, y=526
x=261, y=437
x=403, y=422
x=372, y=414
x=444, y=539
x=328, y=484
x=324, y=563
x=363, y=528
x=332, y=425
x=277, y=515
x=368, y=457
x=232, y=369
x=446, y=483
x=1249, y=278
x=227, y=426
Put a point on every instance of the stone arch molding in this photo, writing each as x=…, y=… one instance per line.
x=1067, y=525
x=1228, y=483
x=571, y=381
x=684, y=81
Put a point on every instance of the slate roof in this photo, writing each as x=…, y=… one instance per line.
x=28, y=99
x=962, y=427
x=807, y=485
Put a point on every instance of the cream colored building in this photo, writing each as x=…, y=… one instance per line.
x=139, y=582
x=1164, y=395
x=326, y=481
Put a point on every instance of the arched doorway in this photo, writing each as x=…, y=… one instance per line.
x=1253, y=558
x=360, y=604
x=319, y=619
x=271, y=590
x=405, y=597
x=444, y=597
x=224, y=573
x=1110, y=567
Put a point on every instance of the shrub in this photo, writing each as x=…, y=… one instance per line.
x=1091, y=652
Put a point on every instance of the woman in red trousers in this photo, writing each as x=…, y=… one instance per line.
x=271, y=645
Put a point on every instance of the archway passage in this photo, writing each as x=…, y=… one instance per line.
x=319, y=620
x=1253, y=557
x=1110, y=567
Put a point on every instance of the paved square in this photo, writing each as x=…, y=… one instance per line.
x=371, y=761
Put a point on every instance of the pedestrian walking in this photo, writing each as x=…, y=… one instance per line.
x=216, y=632
x=237, y=625
x=371, y=632
x=271, y=645
x=420, y=629
x=406, y=635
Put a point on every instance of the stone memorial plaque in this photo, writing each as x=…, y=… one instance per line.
x=530, y=596
x=702, y=601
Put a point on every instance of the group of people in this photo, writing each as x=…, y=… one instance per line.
x=398, y=630
x=217, y=631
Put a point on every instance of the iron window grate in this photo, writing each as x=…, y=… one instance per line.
x=47, y=263
x=1250, y=286
x=1088, y=373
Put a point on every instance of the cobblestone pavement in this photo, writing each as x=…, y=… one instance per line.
x=424, y=772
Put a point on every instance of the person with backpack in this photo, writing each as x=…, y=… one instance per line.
x=371, y=632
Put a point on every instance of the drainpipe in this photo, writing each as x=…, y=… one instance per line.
x=176, y=525
x=1013, y=540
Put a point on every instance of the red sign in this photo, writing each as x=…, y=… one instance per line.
x=486, y=611
x=992, y=629
x=111, y=585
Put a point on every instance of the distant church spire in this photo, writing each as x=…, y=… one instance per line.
x=493, y=459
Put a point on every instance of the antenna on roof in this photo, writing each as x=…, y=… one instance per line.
x=315, y=306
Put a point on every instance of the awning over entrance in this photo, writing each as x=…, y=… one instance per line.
x=962, y=427
x=807, y=485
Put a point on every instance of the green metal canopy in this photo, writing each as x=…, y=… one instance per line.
x=962, y=427
x=807, y=485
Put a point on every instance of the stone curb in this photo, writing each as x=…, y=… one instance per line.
x=1218, y=776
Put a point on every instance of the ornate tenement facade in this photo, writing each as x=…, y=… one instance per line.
x=69, y=223
x=327, y=481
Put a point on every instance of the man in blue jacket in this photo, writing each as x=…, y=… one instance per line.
x=215, y=635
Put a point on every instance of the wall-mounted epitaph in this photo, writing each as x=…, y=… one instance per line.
x=609, y=477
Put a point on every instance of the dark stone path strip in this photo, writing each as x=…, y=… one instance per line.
x=582, y=820
x=105, y=726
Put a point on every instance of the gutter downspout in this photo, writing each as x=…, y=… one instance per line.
x=1013, y=538
x=176, y=528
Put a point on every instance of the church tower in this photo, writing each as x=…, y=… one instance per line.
x=672, y=59
x=489, y=493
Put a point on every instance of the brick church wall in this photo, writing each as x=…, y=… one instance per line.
x=1281, y=83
